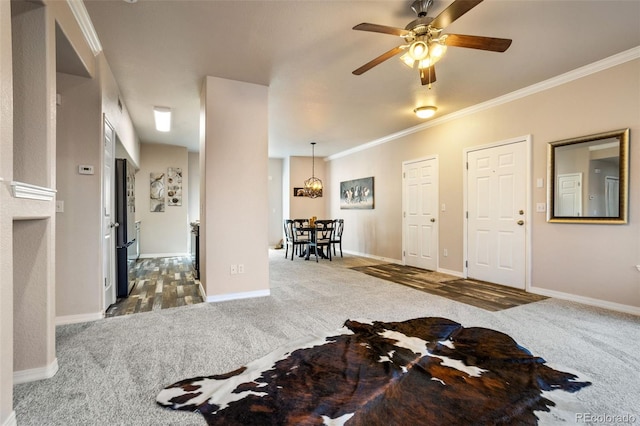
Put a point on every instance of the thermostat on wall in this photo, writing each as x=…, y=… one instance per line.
x=85, y=170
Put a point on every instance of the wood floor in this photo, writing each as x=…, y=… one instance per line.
x=160, y=283
x=488, y=296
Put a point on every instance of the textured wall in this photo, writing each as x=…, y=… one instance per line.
x=593, y=261
x=6, y=225
x=78, y=243
x=162, y=233
x=235, y=187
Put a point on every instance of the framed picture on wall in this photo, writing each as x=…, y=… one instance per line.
x=156, y=192
x=298, y=192
x=174, y=186
x=357, y=194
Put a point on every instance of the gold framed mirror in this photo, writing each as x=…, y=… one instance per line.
x=588, y=179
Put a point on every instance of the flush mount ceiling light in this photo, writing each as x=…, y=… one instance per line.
x=313, y=185
x=162, y=116
x=425, y=111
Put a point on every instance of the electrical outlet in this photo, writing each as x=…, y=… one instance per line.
x=445, y=252
x=241, y=268
x=541, y=207
x=234, y=269
x=59, y=206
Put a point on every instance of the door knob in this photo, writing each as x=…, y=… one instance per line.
x=114, y=225
x=521, y=222
x=433, y=219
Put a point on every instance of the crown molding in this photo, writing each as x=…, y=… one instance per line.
x=83, y=19
x=612, y=61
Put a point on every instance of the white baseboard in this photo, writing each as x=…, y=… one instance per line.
x=619, y=307
x=41, y=373
x=74, y=319
x=450, y=272
x=11, y=420
x=370, y=256
x=236, y=296
x=152, y=255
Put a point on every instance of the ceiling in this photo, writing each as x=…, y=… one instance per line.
x=305, y=51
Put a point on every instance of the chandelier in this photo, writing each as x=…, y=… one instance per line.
x=313, y=185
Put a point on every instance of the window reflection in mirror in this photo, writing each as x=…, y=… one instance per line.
x=588, y=178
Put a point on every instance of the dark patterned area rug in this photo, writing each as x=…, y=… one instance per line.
x=423, y=371
x=488, y=296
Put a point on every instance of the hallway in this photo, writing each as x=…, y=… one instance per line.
x=160, y=283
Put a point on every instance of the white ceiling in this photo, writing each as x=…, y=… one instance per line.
x=305, y=50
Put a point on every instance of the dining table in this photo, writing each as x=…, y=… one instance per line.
x=312, y=231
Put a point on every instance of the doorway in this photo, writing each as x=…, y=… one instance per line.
x=497, y=212
x=420, y=213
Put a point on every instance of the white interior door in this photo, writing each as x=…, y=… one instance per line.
x=496, y=202
x=569, y=195
x=108, y=244
x=421, y=213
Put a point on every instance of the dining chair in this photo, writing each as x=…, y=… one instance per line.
x=337, y=236
x=300, y=234
x=324, y=233
x=292, y=239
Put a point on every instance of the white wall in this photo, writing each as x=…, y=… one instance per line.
x=234, y=223
x=588, y=261
x=162, y=233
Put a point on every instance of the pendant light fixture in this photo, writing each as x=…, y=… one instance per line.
x=313, y=185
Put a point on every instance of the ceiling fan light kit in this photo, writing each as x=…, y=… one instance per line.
x=418, y=50
x=424, y=41
x=425, y=111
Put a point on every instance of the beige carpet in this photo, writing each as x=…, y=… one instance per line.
x=111, y=370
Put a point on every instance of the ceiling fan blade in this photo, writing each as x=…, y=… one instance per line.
x=453, y=12
x=478, y=42
x=428, y=75
x=389, y=54
x=375, y=28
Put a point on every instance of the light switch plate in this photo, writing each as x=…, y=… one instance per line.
x=541, y=207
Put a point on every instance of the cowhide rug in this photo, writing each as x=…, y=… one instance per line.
x=421, y=371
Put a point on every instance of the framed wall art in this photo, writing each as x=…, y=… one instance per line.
x=156, y=192
x=357, y=194
x=174, y=186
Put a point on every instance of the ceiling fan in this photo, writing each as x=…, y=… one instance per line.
x=424, y=44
